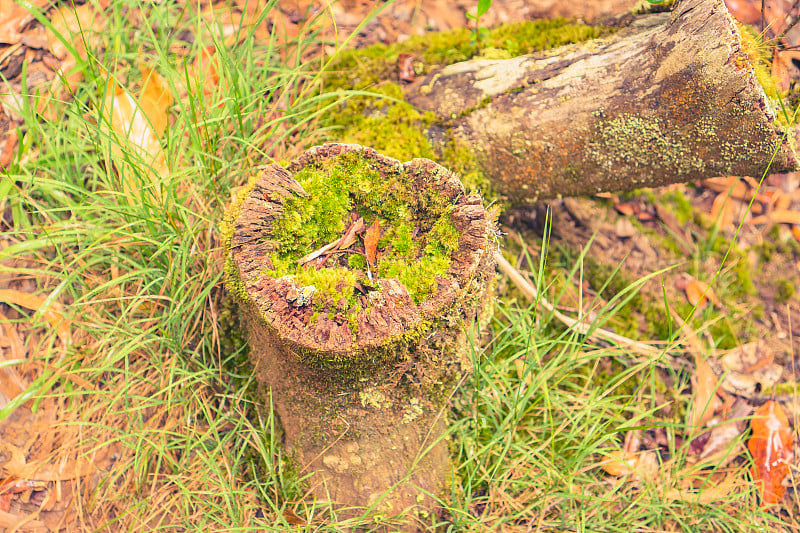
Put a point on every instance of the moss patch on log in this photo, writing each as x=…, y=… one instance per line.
x=417, y=236
x=385, y=122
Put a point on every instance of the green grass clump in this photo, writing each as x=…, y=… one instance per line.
x=348, y=186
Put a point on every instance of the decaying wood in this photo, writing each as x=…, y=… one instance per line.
x=364, y=413
x=671, y=98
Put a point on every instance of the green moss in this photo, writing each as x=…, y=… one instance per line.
x=362, y=68
x=348, y=186
x=784, y=290
x=384, y=121
x=681, y=206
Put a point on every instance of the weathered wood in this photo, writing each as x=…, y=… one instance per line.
x=672, y=98
x=363, y=410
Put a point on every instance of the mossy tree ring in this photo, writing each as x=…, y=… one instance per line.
x=360, y=372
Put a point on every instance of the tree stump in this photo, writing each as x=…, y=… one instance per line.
x=359, y=366
x=671, y=98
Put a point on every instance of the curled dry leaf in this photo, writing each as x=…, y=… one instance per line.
x=771, y=448
x=717, y=447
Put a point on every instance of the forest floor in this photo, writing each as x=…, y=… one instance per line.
x=121, y=397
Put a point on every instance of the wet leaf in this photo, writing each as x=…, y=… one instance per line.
x=771, y=448
x=371, y=238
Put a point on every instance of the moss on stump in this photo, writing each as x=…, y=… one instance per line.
x=360, y=368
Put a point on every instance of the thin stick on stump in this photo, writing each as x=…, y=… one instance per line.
x=361, y=393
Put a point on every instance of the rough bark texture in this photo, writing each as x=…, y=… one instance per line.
x=670, y=99
x=366, y=412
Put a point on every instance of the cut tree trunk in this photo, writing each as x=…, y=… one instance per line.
x=362, y=394
x=672, y=98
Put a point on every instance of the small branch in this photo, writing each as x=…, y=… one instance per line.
x=578, y=325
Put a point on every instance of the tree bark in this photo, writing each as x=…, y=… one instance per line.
x=363, y=410
x=672, y=98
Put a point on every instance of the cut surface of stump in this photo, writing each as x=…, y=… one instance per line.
x=360, y=278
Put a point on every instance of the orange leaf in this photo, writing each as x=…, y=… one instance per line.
x=796, y=232
x=371, y=238
x=31, y=301
x=697, y=292
x=771, y=448
x=626, y=209
x=155, y=99
x=133, y=121
x=722, y=210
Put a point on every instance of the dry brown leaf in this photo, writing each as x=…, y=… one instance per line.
x=52, y=314
x=717, y=449
x=11, y=383
x=18, y=466
x=371, y=238
x=626, y=208
x=642, y=464
x=722, y=210
x=779, y=216
x=748, y=369
x=405, y=68
x=771, y=448
x=697, y=292
x=707, y=493
x=796, y=232
x=15, y=17
x=78, y=25
x=155, y=99
x=131, y=120
x=292, y=518
x=705, y=402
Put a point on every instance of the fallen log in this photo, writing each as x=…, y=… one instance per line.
x=671, y=98
x=359, y=293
